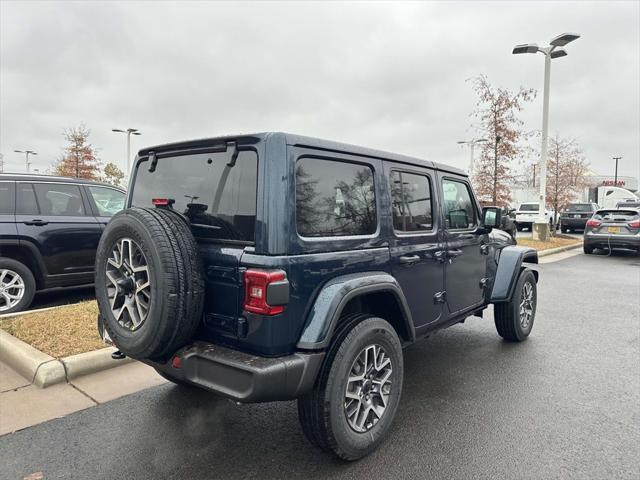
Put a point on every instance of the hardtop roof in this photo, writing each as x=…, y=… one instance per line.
x=304, y=141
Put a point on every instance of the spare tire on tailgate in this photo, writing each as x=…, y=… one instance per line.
x=149, y=282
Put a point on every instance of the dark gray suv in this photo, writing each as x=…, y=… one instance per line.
x=276, y=267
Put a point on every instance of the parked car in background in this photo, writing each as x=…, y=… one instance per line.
x=635, y=205
x=613, y=228
x=575, y=216
x=49, y=231
x=527, y=212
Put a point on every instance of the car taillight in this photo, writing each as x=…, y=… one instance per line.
x=635, y=224
x=256, y=290
x=593, y=223
x=163, y=202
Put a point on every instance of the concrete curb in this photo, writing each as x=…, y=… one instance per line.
x=91, y=362
x=43, y=370
x=551, y=251
x=28, y=312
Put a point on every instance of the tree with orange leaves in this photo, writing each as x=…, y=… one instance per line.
x=79, y=159
x=497, y=121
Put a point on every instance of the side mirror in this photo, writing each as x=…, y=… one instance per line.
x=490, y=218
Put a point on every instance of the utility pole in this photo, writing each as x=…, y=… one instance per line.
x=534, y=175
x=615, y=178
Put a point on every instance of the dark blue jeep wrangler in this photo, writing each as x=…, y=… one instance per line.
x=275, y=267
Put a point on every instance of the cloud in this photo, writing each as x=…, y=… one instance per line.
x=385, y=75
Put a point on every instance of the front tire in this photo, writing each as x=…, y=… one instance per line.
x=514, y=319
x=17, y=286
x=354, y=401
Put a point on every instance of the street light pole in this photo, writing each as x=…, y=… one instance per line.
x=615, y=178
x=472, y=145
x=554, y=50
x=26, y=155
x=129, y=132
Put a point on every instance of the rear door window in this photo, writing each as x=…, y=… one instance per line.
x=218, y=197
x=411, y=205
x=334, y=198
x=59, y=199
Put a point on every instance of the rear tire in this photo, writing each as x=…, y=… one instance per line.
x=587, y=249
x=336, y=415
x=17, y=286
x=514, y=319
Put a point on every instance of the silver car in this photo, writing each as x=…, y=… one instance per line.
x=613, y=228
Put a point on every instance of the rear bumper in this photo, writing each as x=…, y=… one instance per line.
x=574, y=222
x=241, y=376
x=615, y=241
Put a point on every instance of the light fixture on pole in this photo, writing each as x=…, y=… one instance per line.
x=129, y=132
x=26, y=155
x=553, y=50
x=472, y=144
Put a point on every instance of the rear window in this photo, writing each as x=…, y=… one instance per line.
x=334, y=198
x=616, y=215
x=579, y=207
x=219, y=199
x=529, y=207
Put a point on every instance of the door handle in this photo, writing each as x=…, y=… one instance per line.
x=36, y=222
x=454, y=253
x=409, y=259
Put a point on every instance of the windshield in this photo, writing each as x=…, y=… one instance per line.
x=579, y=207
x=529, y=207
x=219, y=199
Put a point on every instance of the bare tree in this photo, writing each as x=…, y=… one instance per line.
x=566, y=172
x=79, y=158
x=497, y=121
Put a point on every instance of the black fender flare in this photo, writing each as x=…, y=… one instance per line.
x=508, y=270
x=334, y=296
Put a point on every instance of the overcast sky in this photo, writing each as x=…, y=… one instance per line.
x=384, y=75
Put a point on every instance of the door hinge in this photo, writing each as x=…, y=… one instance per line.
x=440, y=297
x=484, y=283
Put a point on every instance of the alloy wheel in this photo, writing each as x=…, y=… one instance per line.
x=526, y=305
x=12, y=289
x=128, y=284
x=368, y=388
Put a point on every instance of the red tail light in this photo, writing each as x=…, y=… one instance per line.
x=256, y=283
x=162, y=202
x=593, y=223
x=635, y=224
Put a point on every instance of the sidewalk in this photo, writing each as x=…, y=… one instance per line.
x=23, y=405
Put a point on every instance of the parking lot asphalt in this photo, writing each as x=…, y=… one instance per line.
x=564, y=404
x=62, y=296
